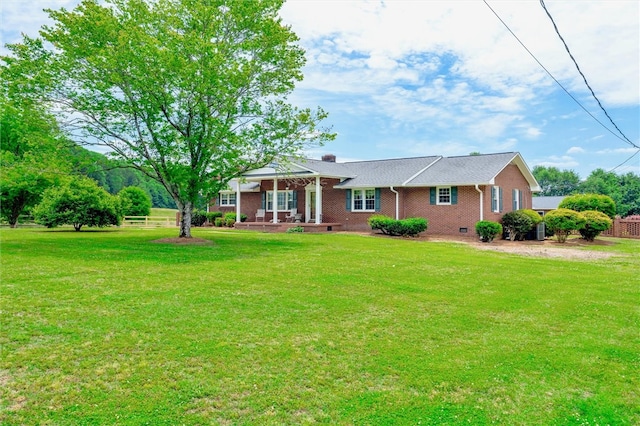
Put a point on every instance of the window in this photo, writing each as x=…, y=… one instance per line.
x=228, y=199
x=286, y=200
x=364, y=200
x=444, y=195
x=517, y=199
x=496, y=199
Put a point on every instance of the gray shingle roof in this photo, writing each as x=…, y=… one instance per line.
x=467, y=170
x=409, y=172
x=547, y=203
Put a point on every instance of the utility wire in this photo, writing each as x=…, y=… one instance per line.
x=625, y=161
x=583, y=76
x=555, y=79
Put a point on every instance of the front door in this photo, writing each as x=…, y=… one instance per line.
x=311, y=206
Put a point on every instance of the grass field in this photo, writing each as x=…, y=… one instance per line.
x=107, y=327
x=158, y=212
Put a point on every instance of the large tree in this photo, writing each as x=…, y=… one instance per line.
x=623, y=189
x=554, y=181
x=30, y=156
x=191, y=92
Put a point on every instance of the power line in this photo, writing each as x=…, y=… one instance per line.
x=555, y=79
x=583, y=76
x=625, y=161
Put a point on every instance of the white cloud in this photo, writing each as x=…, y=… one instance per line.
x=575, y=150
x=629, y=150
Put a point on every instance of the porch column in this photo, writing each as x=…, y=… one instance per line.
x=275, y=200
x=238, y=210
x=318, y=201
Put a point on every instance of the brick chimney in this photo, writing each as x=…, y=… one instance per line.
x=329, y=158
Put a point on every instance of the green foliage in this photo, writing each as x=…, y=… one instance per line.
x=212, y=216
x=295, y=229
x=518, y=224
x=78, y=202
x=30, y=159
x=556, y=182
x=623, y=189
x=584, y=202
x=219, y=221
x=533, y=215
x=230, y=219
x=134, y=202
x=564, y=221
x=202, y=98
x=403, y=227
x=198, y=217
x=596, y=222
x=488, y=230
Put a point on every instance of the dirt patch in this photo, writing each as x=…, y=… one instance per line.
x=574, y=248
x=184, y=241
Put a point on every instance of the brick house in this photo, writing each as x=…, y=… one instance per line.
x=453, y=193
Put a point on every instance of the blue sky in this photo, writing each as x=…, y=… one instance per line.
x=404, y=78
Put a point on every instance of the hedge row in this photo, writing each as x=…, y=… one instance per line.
x=410, y=227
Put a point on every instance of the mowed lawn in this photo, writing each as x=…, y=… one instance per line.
x=107, y=327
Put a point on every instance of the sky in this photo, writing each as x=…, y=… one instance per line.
x=407, y=78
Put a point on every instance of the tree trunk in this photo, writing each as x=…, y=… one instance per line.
x=185, y=219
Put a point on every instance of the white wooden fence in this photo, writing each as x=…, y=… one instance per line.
x=148, y=222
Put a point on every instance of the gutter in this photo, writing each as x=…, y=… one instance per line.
x=481, y=202
x=397, y=202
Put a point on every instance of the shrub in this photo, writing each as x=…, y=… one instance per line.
x=488, y=230
x=134, y=201
x=584, y=202
x=405, y=227
x=517, y=223
x=533, y=215
x=212, y=216
x=596, y=222
x=218, y=221
x=230, y=218
x=295, y=229
x=564, y=221
x=79, y=202
x=198, y=217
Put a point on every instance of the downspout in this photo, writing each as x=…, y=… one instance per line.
x=397, y=202
x=481, y=202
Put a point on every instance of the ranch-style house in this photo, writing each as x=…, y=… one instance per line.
x=453, y=193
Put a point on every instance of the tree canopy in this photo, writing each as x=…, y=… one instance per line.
x=192, y=93
x=554, y=181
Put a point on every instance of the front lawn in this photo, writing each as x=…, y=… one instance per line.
x=107, y=327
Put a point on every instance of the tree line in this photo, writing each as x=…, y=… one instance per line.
x=624, y=189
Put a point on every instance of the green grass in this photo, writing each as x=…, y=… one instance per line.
x=158, y=212
x=106, y=327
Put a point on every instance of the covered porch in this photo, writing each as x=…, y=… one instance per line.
x=284, y=226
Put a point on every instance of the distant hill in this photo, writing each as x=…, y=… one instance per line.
x=113, y=176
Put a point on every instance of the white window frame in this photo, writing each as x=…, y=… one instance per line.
x=439, y=195
x=496, y=198
x=226, y=198
x=367, y=196
x=287, y=198
x=516, y=193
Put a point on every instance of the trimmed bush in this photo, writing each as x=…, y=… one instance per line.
x=517, y=223
x=596, y=222
x=295, y=229
x=198, y=217
x=410, y=227
x=585, y=202
x=533, y=215
x=218, y=221
x=79, y=202
x=230, y=219
x=212, y=216
x=564, y=221
x=488, y=230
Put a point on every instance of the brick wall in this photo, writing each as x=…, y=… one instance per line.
x=413, y=202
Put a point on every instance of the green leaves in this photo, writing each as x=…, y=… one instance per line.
x=192, y=93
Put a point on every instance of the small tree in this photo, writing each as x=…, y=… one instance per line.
x=79, y=202
x=596, y=222
x=488, y=230
x=584, y=202
x=564, y=221
x=134, y=201
x=517, y=223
